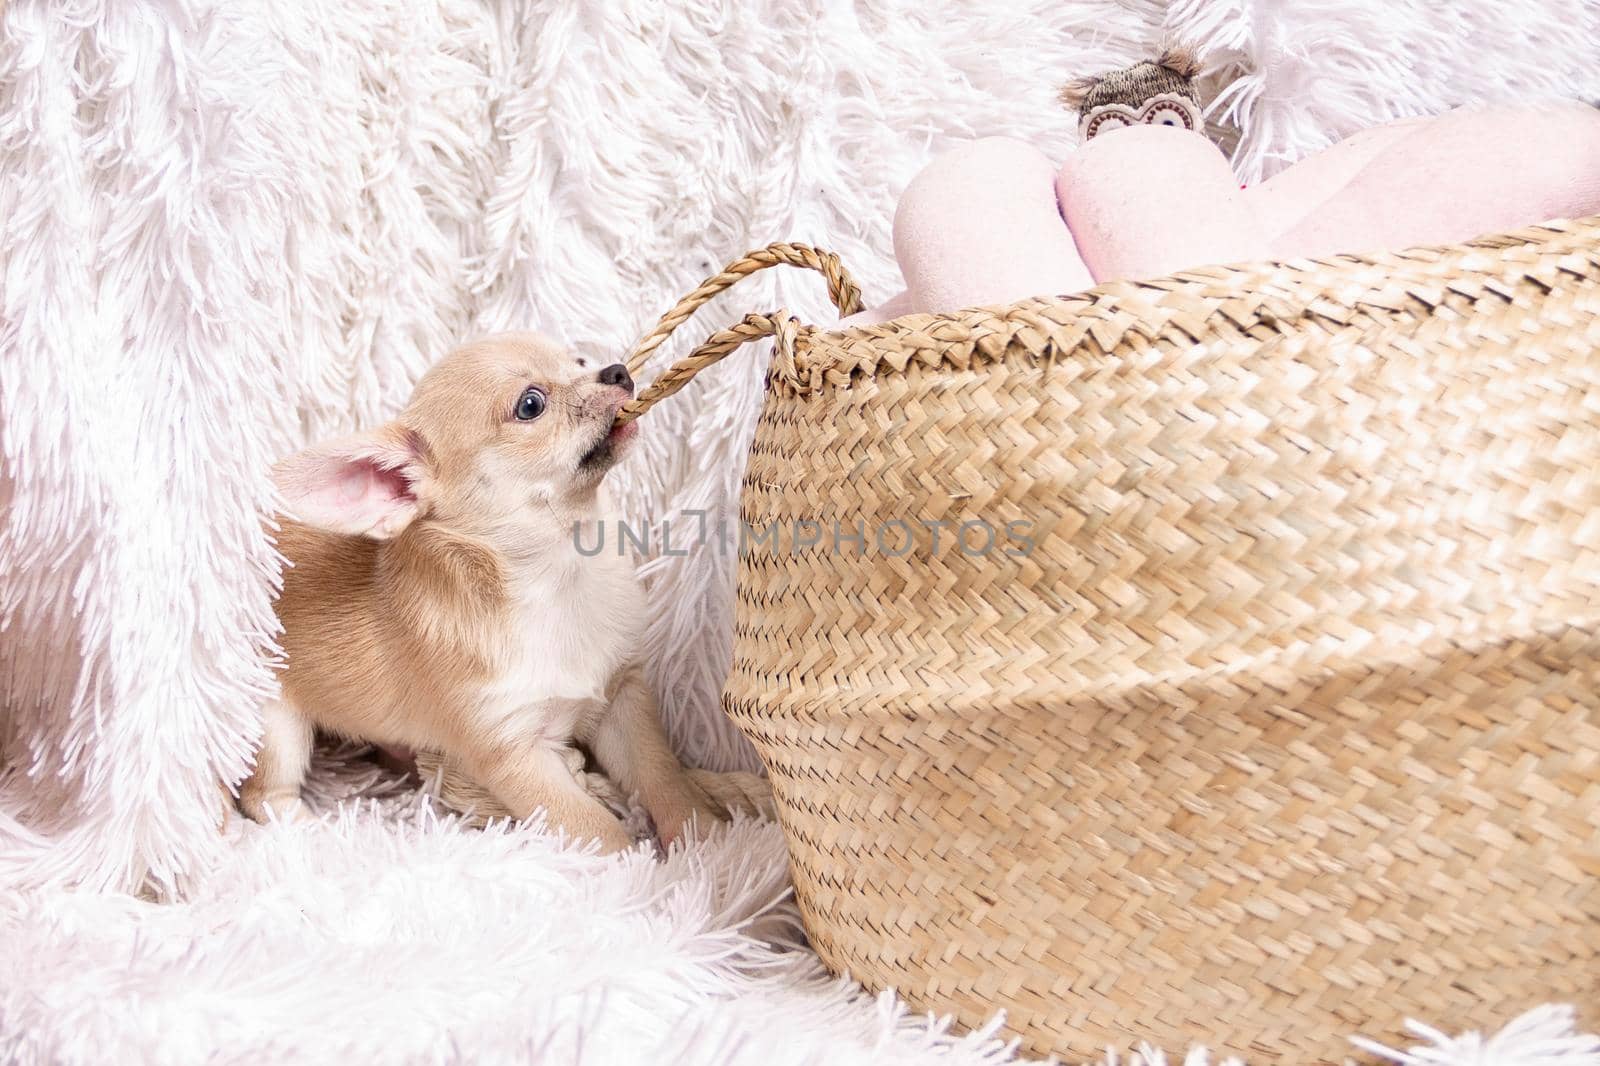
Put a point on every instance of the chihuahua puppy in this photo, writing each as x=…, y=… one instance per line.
x=437, y=600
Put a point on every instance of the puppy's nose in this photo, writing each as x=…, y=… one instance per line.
x=616, y=374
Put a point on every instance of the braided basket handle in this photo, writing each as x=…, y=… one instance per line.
x=841, y=289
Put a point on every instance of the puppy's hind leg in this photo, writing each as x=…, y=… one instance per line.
x=737, y=791
x=527, y=774
x=272, y=791
x=630, y=745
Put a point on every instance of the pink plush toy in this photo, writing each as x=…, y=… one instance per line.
x=1147, y=194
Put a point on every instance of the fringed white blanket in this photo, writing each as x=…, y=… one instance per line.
x=227, y=228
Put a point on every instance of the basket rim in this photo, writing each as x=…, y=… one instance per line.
x=1263, y=298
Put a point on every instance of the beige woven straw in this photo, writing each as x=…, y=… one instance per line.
x=1281, y=725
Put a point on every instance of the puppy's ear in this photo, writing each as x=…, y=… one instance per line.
x=370, y=484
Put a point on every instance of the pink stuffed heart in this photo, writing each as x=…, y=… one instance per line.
x=994, y=222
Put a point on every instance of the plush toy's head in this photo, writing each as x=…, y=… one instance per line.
x=1159, y=93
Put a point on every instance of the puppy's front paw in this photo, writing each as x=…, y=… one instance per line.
x=281, y=807
x=613, y=838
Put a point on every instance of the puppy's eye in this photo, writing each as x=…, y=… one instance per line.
x=530, y=404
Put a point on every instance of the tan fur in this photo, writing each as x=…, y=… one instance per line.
x=436, y=599
x=1181, y=60
x=732, y=791
x=1075, y=92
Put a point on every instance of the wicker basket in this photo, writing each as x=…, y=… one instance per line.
x=1280, y=726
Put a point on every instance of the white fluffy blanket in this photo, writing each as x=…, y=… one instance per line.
x=229, y=228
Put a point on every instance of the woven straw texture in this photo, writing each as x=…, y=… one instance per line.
x=1268, y=717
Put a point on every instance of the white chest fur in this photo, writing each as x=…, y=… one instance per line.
x=576, y=624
